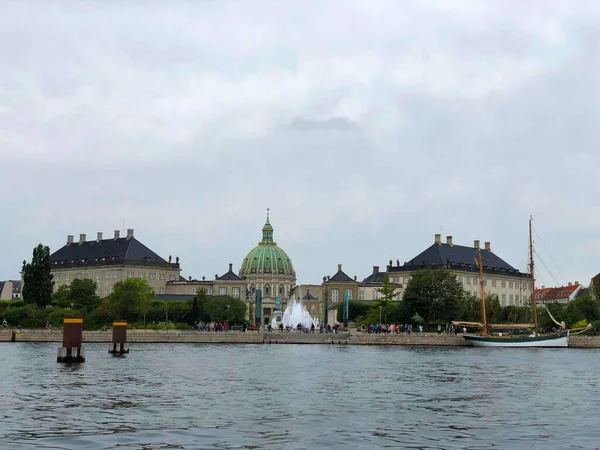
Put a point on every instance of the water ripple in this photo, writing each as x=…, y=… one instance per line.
x=305, y=396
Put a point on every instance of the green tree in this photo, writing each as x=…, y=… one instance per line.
x=388, y=291
x=356, y=309
x=195, y=312
x=62, y=296
x=130, y=296
x=37, y=279
x=434, y=294
x=82, y=294
x=215, y=309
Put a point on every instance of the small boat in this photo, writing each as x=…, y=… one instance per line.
x=560, y=339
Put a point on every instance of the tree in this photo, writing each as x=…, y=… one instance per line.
x=195, y=311
x=130, y=296
x=37, y=279
x=434, y=294
x=80, y=294
x=388, y=291
x=215, y=310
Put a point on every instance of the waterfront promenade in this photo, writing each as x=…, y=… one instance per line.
x=238, y=337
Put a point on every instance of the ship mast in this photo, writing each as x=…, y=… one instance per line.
x=483, y=315
x=532, y=274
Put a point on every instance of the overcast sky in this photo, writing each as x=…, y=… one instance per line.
x=366, y=127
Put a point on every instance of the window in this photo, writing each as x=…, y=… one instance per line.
x=474, y=280
x=57, y=277
x=177, y=291
x=97, y=275
x=89, y=276
x=494, y=283
x=511, y=298
x=116, y=274
x=106, y=291
x=236, y=292
x=252, y=289
x=335, y=295
x=208, y=291
x=106, y=275
x=510, y=284
x=162, y=290
x=468, y=280
x=152, y=276
x=141, y=275
x=503, y=284
x=163, y=276
x=222, y=291
x=503, y=297
x=406, y=280
x=375, y=295
x=130, y=274
x=79, y=275
x=194, y=291
x=396, y=280
x=281, y=289
x=172, y=277
x=348, y=292
x=516, y=297
x=361, y=295
x=313, y=309
x=485, y=282
x=267, y=289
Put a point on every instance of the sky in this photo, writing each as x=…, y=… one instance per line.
x=365, y=127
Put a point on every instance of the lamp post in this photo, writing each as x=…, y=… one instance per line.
x=228, y=317
x=380, y=316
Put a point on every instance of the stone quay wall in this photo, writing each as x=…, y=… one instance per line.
x=237, y=337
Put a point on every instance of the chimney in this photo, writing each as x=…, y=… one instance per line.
x=230, y=267
x=355, y=277
x=69, y=239
x=476, y=244
x=81, y=238
x=117, y=234
x=488, y=247
x=129, y=233
x=438, y=239
x=449, y=240
x=99, y=238
x=570, y=284
x=375, y=270
x=577, y=283
x=339, y=267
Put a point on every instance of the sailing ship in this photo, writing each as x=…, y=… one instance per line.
x=560, y=339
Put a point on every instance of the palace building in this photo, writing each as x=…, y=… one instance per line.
x=107, y=261
x=499, y=278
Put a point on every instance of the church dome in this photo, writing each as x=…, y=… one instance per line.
x=267, y=257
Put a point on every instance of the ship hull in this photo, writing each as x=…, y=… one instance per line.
x=552, y=341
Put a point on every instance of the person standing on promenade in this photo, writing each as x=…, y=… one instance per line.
x=439, y=329
x=4, y=323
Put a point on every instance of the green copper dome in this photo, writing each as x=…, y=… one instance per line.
x=266, y=257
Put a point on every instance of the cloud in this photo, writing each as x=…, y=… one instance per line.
x=333, y=123
x=365, y=129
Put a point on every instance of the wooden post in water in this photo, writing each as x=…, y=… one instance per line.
x=119, y=337
x=71, y=350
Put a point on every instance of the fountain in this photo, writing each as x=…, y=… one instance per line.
x=294, y=314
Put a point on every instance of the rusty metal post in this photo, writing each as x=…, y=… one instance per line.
x=119, y=337
x=71, y=350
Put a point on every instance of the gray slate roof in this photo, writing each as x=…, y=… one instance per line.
x=309, y=296
x=375, y=278
x=229, y=276
x=340, y=277
x=127, y=249
x=456, y=256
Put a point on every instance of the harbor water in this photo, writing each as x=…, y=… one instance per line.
x=193, y=396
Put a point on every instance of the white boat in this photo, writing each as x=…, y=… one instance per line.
x=560, y=339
